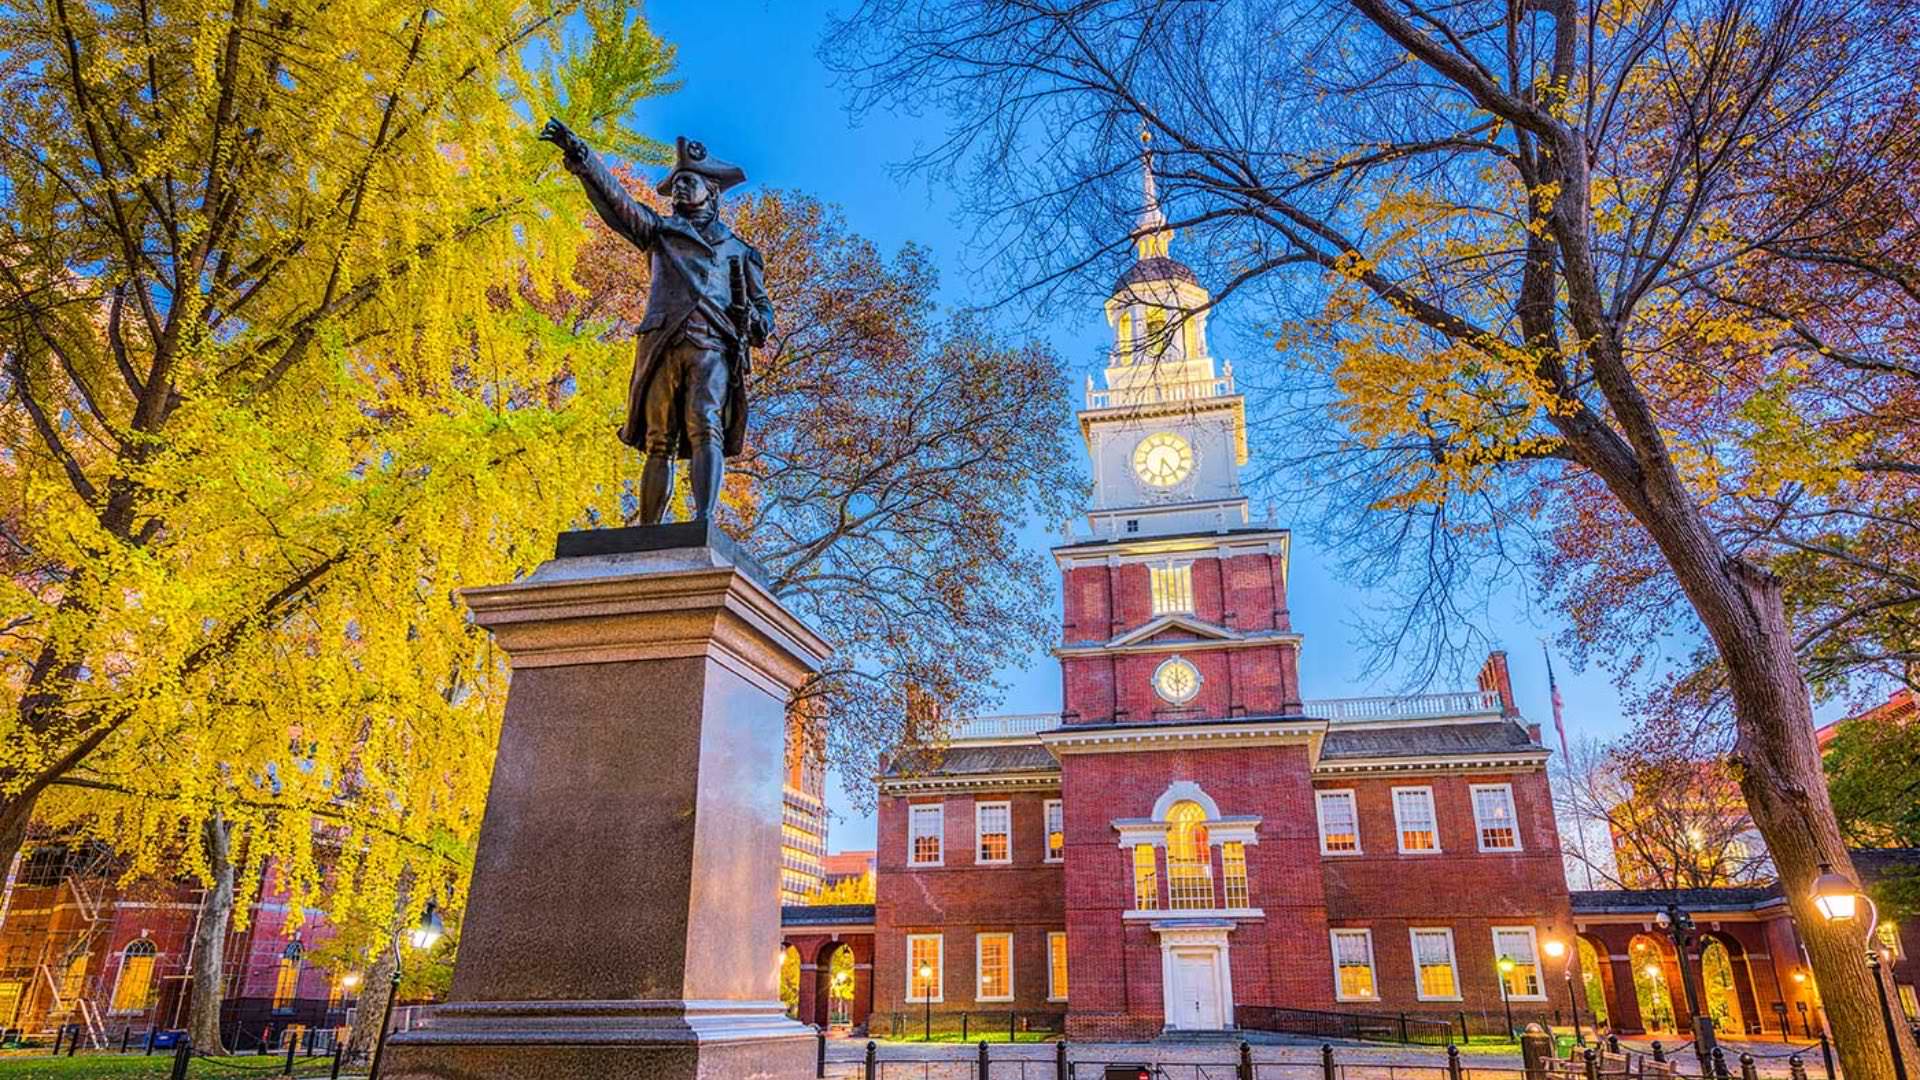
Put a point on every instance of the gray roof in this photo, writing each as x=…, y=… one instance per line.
x=1637, y=901
x=1436, y=740
x=965, y=760
x=1156, y=268
x=826, y=914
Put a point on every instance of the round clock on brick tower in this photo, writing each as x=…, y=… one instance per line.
x=1187, y=844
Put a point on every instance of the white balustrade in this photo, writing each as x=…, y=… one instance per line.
x=1406, y=707
x=1012, y=726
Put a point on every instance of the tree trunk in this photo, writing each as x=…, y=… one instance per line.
x=1786, y=791
x=210, y=938
x=372, y=1006
x=16, y=811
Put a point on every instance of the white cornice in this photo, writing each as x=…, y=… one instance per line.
x=1125, y=738
x=1515, y=761
x=1248, y=641
x=1239, y=542
x=932, y=782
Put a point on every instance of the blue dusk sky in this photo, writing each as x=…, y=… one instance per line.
x=756, y=93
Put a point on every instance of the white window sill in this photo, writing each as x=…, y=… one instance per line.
x=1057, y=1000
x=1526, y=997
x=1501, y=850
x=993, y=862
x=926, y=1001
x=993, y=1000
x=1354, y=1000
x=1422, y=851
x=1456, y=997
x=1340, y=854
x=925, y=865
x=1194, y=913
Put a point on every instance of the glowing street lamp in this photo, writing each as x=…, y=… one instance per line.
x=1506, y=965
x=424, y=935
x=1556, y=948
x=1838, y=899
x=926, y=995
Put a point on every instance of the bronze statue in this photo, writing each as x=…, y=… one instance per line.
x=706, y=308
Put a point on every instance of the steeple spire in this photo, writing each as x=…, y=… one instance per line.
x=1150, y=234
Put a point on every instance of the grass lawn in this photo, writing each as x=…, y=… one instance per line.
x=975, y=1035
x=38, y=1065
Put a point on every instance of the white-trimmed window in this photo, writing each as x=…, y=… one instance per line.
x=1146, y=878
x=1056, y=821
x=1233, y=873
x=1353, y=966
x=1516, y=943
x=286, y=980
x=993, y=832
x=1339, y=823
x=1493, y=817
x=1172, y=588
x=926, y=961
x=1189, y=858
x=925, y=824
x=1057, y=966
x=132, y=990
x=1434, y=976
x=1413, y=820
x=993, y=967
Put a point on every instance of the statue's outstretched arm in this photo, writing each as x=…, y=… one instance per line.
x=761, y=323
x=622, y=212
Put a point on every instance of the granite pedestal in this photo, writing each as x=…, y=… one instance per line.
x=624, y=917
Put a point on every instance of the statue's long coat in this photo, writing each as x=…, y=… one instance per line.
x=689, y=270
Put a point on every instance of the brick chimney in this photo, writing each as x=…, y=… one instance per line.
x=1493, y=676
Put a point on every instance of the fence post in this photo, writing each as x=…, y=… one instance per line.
x=292, y=1045
x=338, y=1049
x=1060, y=1061
x=1246, y=1061
x=1659, y=1052
x=1747, y=1071
x=126, y=1038
x=1826, y=1053
x=1453, y=1062
x=1465, y=1035
x=1403, y=1029
x=150, y=1030
x=820, y=1052
x=59, y=1036
x=1796, y=1069
x=1013, y=1019
x=1326, y=1062
x=981, y=1069
x=873, y=1062
x=73, y=1043
x=1536, y=1049
x=1720, y=1064
x=1590, y=1063
x=1613, y=1044
x=182, y=1053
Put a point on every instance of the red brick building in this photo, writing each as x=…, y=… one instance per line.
x=1188, y=836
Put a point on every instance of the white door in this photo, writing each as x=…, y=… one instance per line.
x=1196, y=990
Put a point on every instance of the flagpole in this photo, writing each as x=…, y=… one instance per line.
x=1560, y=727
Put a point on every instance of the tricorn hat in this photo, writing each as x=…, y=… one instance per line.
x=690, y=156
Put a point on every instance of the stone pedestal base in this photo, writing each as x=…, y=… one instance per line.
x=604, y=1040
x=624, y=919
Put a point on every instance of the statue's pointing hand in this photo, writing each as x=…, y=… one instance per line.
x=560, y=135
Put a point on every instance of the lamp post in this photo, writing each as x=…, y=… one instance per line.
x=1556, y=949
x=926, y=995
x=1505, y=964
x=1838, y=899
x=422, y=936
x=1679, y=926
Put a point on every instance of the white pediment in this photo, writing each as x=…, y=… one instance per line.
x=1200, y=629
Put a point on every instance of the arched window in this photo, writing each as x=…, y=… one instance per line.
x=286, y=982
x=133, y=991
x=1189, y=862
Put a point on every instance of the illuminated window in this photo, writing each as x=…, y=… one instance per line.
x=924, y=970
x=993, y=832
x=1233, y=873
x=286, y=981
x=1889, y=932
x=925, y=823
x=1189, y=861
x=1156, y=330
x=1413, y=819
x=1353, y=965
x=1056, y=831
x=73, y=981
x=132, y=992
x=1434, y=975
x=1146, y=878
x=1056, y=967
x=993, y=967
x=1909, y=1001
x=1339, y=825
x=336, y=989
x=1493, y=817
x=1515, y=943
x=1172, y=588
x=1191, y=329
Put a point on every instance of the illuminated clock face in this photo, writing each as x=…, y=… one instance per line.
x=1163, y=459
x=1176, y=680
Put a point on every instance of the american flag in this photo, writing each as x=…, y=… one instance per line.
x=1553, y=687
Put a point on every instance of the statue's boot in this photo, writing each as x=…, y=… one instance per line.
x=708, y=467
x=656, y=481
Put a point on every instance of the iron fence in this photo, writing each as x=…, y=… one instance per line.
x=972, y=1026
x=1361, y=1027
